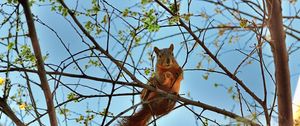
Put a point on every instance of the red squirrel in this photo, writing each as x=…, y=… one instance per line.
x=168, y=75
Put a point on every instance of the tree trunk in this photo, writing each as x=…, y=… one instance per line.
x=39, y=62
x=280, y=55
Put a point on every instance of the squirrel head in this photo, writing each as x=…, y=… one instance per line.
x=165, y=57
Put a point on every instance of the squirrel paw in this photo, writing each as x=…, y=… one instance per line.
x=174, y=93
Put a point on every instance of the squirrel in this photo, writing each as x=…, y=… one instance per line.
x=167, y=77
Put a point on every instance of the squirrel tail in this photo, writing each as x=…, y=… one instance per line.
x=138, y=119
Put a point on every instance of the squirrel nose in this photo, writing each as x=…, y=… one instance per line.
x=168, y=60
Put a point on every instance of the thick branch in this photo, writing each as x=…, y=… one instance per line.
x=69, y=75
x=282, y=72
x=39, y=62
x=7, y=110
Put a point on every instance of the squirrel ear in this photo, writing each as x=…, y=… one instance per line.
x=156, y=50
x=171, y=48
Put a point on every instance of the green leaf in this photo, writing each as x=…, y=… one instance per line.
x=96, y=8
x=153, y=74
x=65, y=12
x=229, y=90
x=10, y=45
x=134, y=13
x=175, y=8
x=199, y=65
x=254, y=116
x=233, y=96
x=80, y=118
x=147, y=71
x=243, y=23
x=205, y=76
x=26, y=54
x=189, y=94
x=150, y=21
x=98, y=31
x=204, y=15
x=187, y=17
x=72, y=96
x=153, y=28
x=1, y=56
x=230, y=40
x=125, y=12
x=174, y=20
x=216, y=85
x=105, y=111
x=45, y=57
x=31, y=2
x=13, y=97
x=105, y=19
x=91, y=117
x=64, y=111
x=53, y=8
x=144, y=2
x=60, y=8
x=218, y=11
x=137, y=39
x=206, y=122
x=88, y=25
x=94, y=62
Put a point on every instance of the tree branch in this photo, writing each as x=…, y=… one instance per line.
x=7, y=110
x=39, y=62
x=282, y=72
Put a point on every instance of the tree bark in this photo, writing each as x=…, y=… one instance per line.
x=7, y=111
x=39, y=62
x=280, y=55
